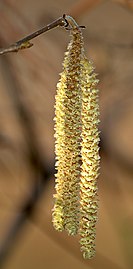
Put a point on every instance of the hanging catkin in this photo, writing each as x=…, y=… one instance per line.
x=68, y=139
x=76, y=145
x=90, y=159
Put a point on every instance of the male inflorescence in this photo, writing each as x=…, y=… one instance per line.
x=77, y=146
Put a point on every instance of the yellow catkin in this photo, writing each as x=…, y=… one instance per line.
x=68, y=139
x=76, y=145
x=58, y=215
x=90, y=160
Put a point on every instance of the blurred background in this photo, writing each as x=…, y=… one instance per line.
x=27, y=93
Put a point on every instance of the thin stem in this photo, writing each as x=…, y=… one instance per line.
x=24, y=43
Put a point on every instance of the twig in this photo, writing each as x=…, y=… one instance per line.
x=24, y=42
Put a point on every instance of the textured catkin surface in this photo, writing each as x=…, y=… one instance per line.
x=90, y=159
x=76, y=147
x=68, y=136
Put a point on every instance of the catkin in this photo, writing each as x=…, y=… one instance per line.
x=68, y=139
x=77, y=145
x=90, y=160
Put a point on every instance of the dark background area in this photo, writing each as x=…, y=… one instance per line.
x=27, y=91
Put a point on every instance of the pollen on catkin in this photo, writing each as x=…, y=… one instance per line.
x=68, y=138
x=90, y=160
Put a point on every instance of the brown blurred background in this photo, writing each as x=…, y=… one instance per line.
x=27, y=89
